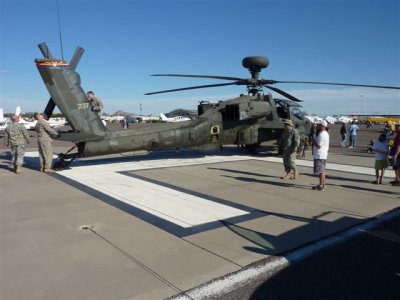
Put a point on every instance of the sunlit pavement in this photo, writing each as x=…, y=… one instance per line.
x=152, y=226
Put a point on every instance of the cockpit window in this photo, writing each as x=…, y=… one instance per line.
x=298, y=113
x=282, y=111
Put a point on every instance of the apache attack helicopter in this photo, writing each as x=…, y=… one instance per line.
x=247, y=120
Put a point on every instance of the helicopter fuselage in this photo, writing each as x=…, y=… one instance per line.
x=246, y=120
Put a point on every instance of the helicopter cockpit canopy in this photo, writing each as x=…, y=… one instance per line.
x=287, y=102
x=286, y=108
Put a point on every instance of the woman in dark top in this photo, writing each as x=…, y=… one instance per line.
x=343, y=134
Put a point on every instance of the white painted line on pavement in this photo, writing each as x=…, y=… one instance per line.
x=175, y=206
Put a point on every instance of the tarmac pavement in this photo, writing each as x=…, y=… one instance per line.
x=150, y=226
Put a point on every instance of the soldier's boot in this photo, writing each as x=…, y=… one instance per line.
x=18, y=170
x=48, y=170
x=287, y=176
x=295, y=174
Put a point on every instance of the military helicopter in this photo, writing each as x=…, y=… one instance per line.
x=247, y=120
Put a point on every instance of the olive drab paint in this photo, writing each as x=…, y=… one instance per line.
x=247, y=120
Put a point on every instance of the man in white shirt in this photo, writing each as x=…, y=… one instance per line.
x=320, y=151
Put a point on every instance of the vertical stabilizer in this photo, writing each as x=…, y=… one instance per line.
x=64, y=86
x=163, y=117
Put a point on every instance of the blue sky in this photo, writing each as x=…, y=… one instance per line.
x=352, y=41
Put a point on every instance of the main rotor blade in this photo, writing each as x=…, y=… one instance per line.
x=192, y=88
x=200, y=76
x=283, y=93
x=337, y=83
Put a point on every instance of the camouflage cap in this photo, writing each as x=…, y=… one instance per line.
x=288, y=122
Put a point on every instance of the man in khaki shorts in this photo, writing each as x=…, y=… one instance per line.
x=320, y=152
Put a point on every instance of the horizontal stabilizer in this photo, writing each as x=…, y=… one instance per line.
x=77, y=137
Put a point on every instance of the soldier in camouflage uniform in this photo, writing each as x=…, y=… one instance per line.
x=289, y=143
x=44, y=136
x=17, y=137
x=97, y=104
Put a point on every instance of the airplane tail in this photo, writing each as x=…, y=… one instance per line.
x=64, y=86
x=163, y=117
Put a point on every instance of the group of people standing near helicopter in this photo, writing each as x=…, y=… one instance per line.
x=290, y=143
x=17, y=137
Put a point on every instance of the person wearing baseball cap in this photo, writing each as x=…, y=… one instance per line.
x=320, y=154
x=289, y=143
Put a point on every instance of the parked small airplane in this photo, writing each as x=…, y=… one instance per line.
x=174, y=119
x=314, y=119
x=56, y=123
x=2, y=120
x=344, y=119
x=29, y=125
x=331, y=120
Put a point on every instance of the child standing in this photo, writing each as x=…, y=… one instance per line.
x=381, y=151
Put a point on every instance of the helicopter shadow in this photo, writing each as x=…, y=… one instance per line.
x=353, y=187
x=248, y=179
x=241, y=172
x=364, y=189
x=269, y=244
x=328, y=177
x=290, y=184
